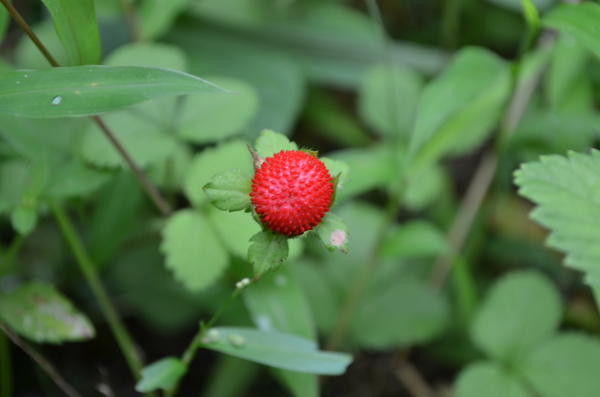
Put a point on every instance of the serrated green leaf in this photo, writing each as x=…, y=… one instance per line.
x=521, y=310
x=161, y=374
x=42, y=314
x=566, y=365
x=267, y=251
x=489, y=380
x=278, y=304
x=225, y=156
x=388, y=97
x=207, y=118
x=88, y=90
x=75, y=24
x=568, y=201
x=332, y=232
x=156, y=16
x=277, y=350
x=457, y=110
x=406, y=312
x=23, y=219
x=270, y=142
x=415, y=239
x=193, y=252
x=578, y=20
x=234, y=228
x=229, y=190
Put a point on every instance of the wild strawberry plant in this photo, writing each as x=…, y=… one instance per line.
x=152, y=215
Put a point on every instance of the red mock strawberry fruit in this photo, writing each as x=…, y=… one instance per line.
x=291, y=192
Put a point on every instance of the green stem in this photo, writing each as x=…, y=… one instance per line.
x=196, y=343
x=451, y=23
x=89, y=272
x=130, y=19
x=5, y=367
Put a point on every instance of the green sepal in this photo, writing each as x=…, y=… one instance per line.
x=229, y=190
x=267, y=251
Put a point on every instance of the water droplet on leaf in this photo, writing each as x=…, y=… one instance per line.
x=56, y=100
x=236, y=340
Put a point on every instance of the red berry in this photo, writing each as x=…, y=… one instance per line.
x=291, y=192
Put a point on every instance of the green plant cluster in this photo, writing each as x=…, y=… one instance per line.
x=453, y=131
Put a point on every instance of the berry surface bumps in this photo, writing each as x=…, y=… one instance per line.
x=291, y=192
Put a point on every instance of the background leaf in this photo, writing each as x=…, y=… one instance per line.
x=564, y=364
x=161, y=374
x=578, y=20
x=193, y=252
x=278, y=350
x=270, y=142
x=40, y=313
x=521, y=310
x=75, y=24
x=267, y=251
x=489, y=380
x=156, y=16
x=87, y=90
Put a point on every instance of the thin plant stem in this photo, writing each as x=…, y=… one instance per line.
x=29, y=32
x=412, y=379
x=5, y=367
x=196, y=343
x=130, y=19
x=44, y=364
x=451, y=23
x=150, y=189
x=486, y=170
x=88, y=269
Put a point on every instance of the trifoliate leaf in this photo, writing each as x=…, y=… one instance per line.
x=489, y=380
x=566, y=365
x=267, y=251
x=566, y=192
x=521, y=310
x=230, y=190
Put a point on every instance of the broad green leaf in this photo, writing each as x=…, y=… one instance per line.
x=567, y=198
x=405, y=312
x=23, y=219
x=193, y=252
x=88, y=90
x=28, y=56
x=487, y=379
x=170, y=173
x=566, y=365
x=370, y=168
x=276, y=349
x=161, y=374
x=569, y=59
x=458, y=109
x=225, y=156
x=229, y=190
x=74, y=178
x=578, y=20
x=270, y=142
x=42, y=314
x=153, y=55
x=521, y=310
x=388, y=99
x=147, y=145
x=267, y=251
x=234, y=229
x=333, y=233
x=415, y=239
x=207, y=118
x=75, y=24
x=277, y=303
x=156, y=16
x=113, y=216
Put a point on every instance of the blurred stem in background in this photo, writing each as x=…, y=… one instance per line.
x=451, y=24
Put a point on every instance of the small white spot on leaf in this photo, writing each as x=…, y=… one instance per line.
x=338, y=238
